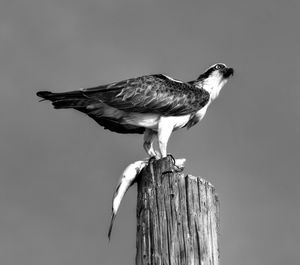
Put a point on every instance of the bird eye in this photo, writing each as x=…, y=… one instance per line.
x=219, y=66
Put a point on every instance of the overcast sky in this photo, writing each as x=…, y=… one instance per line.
x=59, y=168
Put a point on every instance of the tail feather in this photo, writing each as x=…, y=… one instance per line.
x=108, y=117
x=45, y=95
x=75, y=103
x=73, y=99
x=54, y=96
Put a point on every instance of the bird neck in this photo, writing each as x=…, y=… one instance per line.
x=214, y=91
x=213, y=88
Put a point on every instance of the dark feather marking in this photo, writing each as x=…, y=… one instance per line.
x=146, y=94
x=152, y=94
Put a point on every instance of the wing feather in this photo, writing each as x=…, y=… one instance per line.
x=156, y=94
x=151, y=94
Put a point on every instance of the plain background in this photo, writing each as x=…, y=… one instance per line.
x=59, y=168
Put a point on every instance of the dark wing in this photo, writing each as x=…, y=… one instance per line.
x=151, y=94
x=147, y=94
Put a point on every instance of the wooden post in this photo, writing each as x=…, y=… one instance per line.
x=177, y=218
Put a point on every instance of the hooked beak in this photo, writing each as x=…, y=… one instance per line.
x=227, y=72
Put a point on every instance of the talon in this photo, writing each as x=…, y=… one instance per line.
x=177, y=169
x=151, y=160
x=172, y=157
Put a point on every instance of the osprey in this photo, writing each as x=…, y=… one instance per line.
x=153, y=105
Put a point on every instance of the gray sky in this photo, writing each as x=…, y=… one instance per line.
x=59, y=168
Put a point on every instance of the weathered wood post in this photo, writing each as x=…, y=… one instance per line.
x=177, y=218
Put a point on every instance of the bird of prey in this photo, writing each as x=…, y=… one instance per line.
x=153, y=105
x=127, y=179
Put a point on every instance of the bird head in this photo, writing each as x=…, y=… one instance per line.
x=214, y=78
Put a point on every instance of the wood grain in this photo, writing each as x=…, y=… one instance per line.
x=177, y=218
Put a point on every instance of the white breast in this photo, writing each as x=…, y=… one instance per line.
x=151, y=120
x=147, y=120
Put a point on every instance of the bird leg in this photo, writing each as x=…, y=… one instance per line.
x=149, y=137
x=165, y=128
